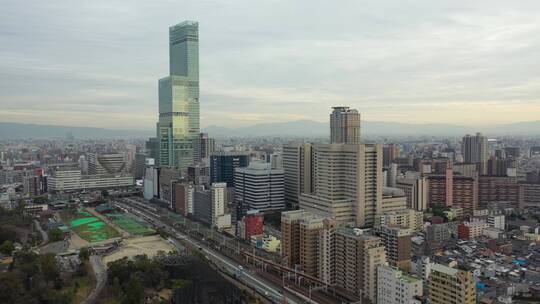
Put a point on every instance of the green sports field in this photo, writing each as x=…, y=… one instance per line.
x=130, y=224
x=90, y=228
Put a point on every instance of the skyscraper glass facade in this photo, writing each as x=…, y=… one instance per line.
x=178, y=125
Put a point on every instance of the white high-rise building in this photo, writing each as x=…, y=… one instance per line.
x=297, y=165
x=347, y=183
x=220, y=219
x=259, y=187
x=396, y=287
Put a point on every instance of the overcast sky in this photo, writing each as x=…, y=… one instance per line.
x=96, y=63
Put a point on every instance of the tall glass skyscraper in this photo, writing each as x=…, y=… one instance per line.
x=178, y=124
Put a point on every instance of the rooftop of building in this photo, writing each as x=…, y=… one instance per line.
x=445, y=269
x=356, y=232
x=299, y=214
x=230, y=153
x=184, y=24
x=393, y=192
x=259, y=167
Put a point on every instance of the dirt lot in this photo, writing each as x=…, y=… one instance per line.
x=149, y=245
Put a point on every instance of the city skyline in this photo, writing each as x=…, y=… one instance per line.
x=424, y=62
x=280, y=151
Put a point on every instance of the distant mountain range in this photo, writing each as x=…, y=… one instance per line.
x=10, y=130
x=301, y=128
x=307, y=128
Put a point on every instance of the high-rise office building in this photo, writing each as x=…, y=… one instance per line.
x=152, y=148
x=139, y=166
x=259, y=187
x=347, y=183
x=178, y=125
x=396, y=287
x=344, y=126
x=390, y=152
x=297, y=166
x=450, y=285
x=475, y=151
x=203, y=146
x=222, y=165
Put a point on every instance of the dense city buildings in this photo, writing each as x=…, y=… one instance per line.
x=178, y=126
x=251, y=225
x=377, y=219
x=493, y=189
x=472, y=229
x=455, y=190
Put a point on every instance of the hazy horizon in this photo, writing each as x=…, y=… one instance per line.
x=97, y=64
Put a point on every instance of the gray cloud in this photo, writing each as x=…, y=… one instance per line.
x=411, y=61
